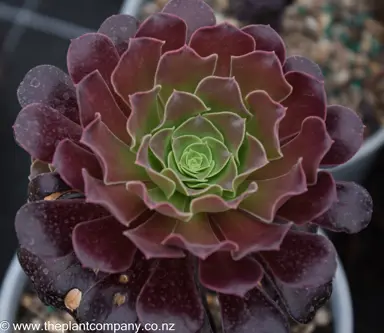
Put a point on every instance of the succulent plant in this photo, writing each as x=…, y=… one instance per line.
x=180, y=157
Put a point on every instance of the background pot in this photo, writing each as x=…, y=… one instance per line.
x=15, y=282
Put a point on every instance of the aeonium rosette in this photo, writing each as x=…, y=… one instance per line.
x=178, y=146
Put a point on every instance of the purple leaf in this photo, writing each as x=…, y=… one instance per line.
x=221, y=273
x=149, y=237
x=166, y=27
x=255, y=312
x=195, y=13
x=307, y=99
x=316, y=201
x=44, y=227
x=275, y=192
x=100, y=245
x=305, y=65
x=39, y=128
x=119, y=28
x=137, y=67
x=114, y=198
x=304, y=261
x=197, y=237
x=49, y=85
x=249, y=233
x=267, y=74
x=267, y=39
x=171, y=293
x=90, y=52
x=224, y=40
x=70, y=159
x=346, y=130
x=351, y=212
x=264, y=124
x=94, y=96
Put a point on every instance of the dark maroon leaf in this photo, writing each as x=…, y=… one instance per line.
x=113, y=300
x=54, y=278
x=316, y=201
x=351, y=212
x=305, y=65
x=256, y=312
x=224, y=40
x=347, y=130
x=90, y=52
x=249, y=233
x=70, y=159
x=304, y=261
x=165, y=27
x=44, y=185
x=39, y=128
x=101, y=245
x=44, y=227
x=221, y=273
x=195, y=13
x=171, y=293
x=307, y=99
x=49, y=85
x=119, y=28
x=267, y=39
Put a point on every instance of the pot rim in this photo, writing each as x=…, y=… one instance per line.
x=15, y=281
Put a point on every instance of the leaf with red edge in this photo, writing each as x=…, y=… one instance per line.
x=180, y=107
x=39, y=128
x=166, y=27
x=255, y=311
x=49, y=85
x=307, y=99
x=90, y=52
x=195, y=13
x=53, y=278
x=137, y=67
x=94, y=96
x=226, y=41
x=311, y=258
x=183, y=69
x=267, y=39
x=312, y=143
x=213, y=203
x=114, y=198
x=150, y=235
x=347, y=130
x=99, y=304
x=221, y=273
x=45, y=227
x=352, y=211
x=155, y=199
x=267, y=74
x=304, y=65
x=70, y=159
x=99, y=245
x=264, y=124
x=275, y=192
x=116, y=159
x=197, y=237
x=171, y=293
x=119, y=28
x=145, y=115
x=316, y=201
x=249, y=233
x=44, y=185
x=221, y=94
